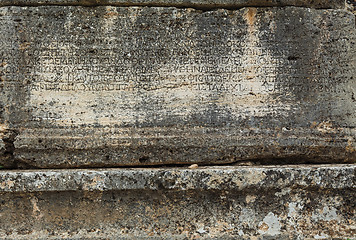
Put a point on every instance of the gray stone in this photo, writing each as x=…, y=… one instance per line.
x=227, y=178
x=291, y=202
x=2, y=147
x=201, y=4
x=115, y=86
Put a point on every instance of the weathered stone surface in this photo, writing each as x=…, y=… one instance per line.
x=109, y=86
x=202, y=178
x=202, y=4
x=293, y=202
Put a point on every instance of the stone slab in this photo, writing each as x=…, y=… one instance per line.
x=115, y=86
x=290, y=202
x=227, y=178
x=200, y=4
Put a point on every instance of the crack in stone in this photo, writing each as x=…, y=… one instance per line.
x=245, y=163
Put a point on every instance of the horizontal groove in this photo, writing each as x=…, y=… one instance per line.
x=195, y=4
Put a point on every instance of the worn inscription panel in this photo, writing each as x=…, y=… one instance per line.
x=110, y=86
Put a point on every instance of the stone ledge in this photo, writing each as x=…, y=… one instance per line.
x=227, y=202
x=203, y=178
x=202, y=4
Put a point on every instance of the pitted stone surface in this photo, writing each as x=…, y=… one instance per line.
x=203, y=4
x=291, y=202
x=202, y=178
x=115, y=86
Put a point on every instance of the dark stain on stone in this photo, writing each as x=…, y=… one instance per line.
x=144, y=159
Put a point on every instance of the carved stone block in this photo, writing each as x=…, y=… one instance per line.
x=114, y=86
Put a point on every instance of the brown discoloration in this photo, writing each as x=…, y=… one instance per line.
x=325, y=127
x=96, y=183
x=7, y=184
x=351, y=146
x=111, y=13
x=263, y=227
x=251, y=16
x=3, y=128
x=24, y=45
x=36, y=212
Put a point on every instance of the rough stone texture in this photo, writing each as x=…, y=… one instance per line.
x=203, y=178
x=304, y=202
x=111, y=86
x=201, y=4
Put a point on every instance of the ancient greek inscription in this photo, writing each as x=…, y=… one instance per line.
x=118, y=65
